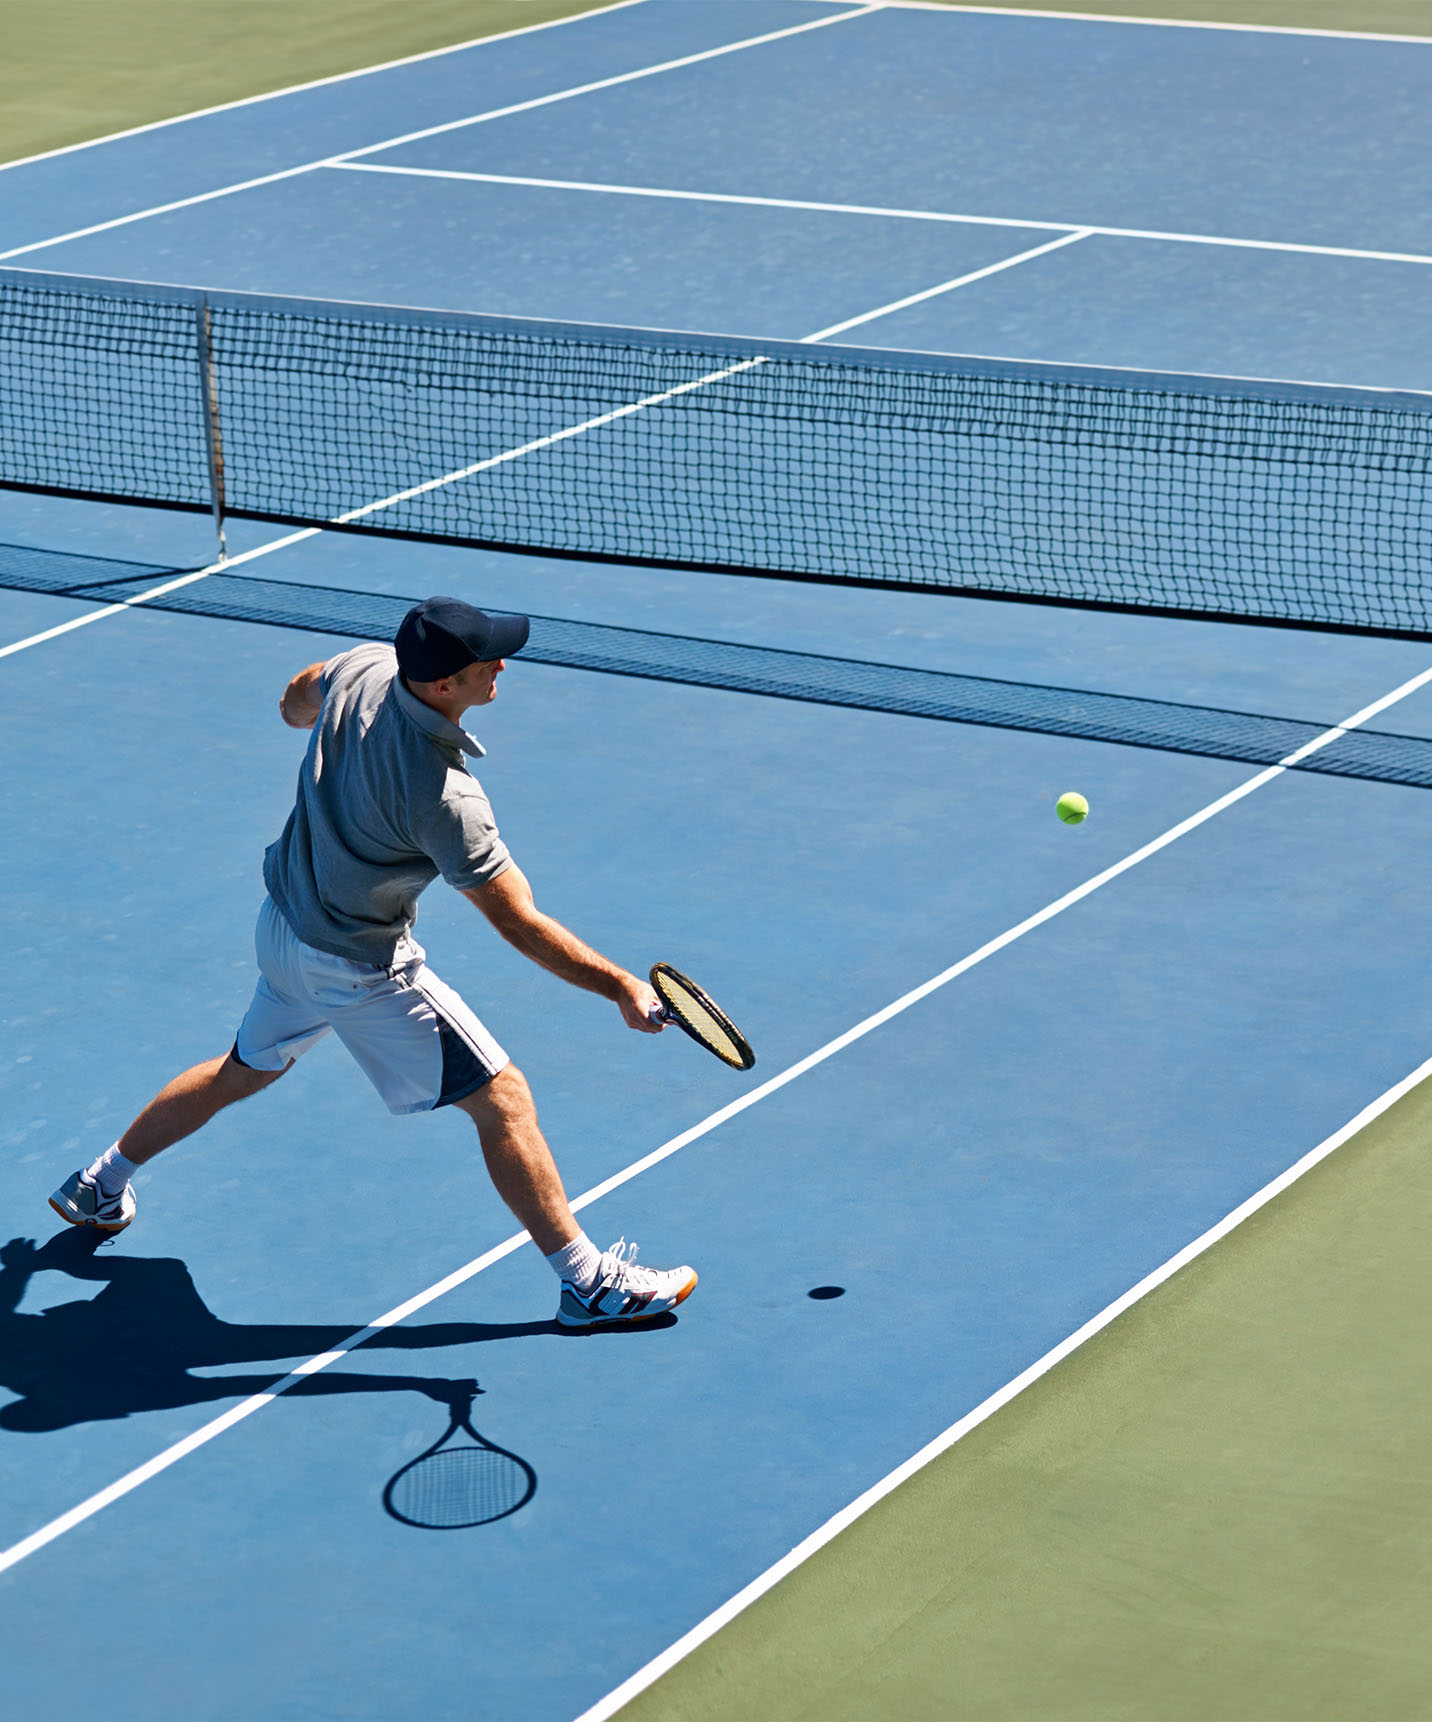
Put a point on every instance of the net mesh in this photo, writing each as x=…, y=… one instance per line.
x=1189, y=496
x=1211, y=731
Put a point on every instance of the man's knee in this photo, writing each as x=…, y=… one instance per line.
x=240, y=1080
x=507, y=1097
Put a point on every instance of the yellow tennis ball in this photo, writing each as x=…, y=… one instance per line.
x=1072, y=808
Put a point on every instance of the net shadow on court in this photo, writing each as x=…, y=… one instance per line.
x=1211, y=732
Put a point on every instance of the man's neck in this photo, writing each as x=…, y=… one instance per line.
x=452, y=710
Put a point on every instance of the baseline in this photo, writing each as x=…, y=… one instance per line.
x=171, y=1455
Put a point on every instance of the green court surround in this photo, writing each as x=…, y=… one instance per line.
x=1216, y=1511
x=71, y=70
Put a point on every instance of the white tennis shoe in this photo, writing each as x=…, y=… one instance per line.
x=81, y=1201
x=625, y=1292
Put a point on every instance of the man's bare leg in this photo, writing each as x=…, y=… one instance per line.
x=519, y=1162
x=599, y=1288
x=101, y=1194
x=188, y=1103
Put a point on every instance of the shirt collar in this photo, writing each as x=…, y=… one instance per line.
x=432, y=723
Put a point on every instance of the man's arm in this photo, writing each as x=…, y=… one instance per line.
x=302, y=699
x=507, y=903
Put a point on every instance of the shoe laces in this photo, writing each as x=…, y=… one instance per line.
x=627, y=1274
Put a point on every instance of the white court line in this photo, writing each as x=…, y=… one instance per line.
x=112, y=609
x=547, y=441
x=817, y=1540
x=893, y=214
x=447, y=126
x=312, y=84
x=945, y=287
x=132, y=1480
x=1159, y=23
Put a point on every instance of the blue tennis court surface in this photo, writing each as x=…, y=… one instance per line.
x=984, y=1172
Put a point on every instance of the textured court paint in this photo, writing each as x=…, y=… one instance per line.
x=1217, y=1509
x=250, y=143
x=1253, y=136
x=87, y=68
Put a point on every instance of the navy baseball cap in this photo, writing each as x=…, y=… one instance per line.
x=441, y=636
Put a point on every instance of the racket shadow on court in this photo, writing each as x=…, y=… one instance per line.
x=463, y=1480
x=132, y=1345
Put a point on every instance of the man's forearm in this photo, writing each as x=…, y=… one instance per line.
x=507, y=902
x=556, y=948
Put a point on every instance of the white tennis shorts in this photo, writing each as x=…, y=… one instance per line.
x=417, y=1042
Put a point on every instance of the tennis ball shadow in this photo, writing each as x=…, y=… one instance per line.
x=823, y=1294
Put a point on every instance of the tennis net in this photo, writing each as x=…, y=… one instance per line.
x=1271, y=502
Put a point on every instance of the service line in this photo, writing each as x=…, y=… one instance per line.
x=890, y=213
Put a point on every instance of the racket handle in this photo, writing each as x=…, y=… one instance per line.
x=659, y=1013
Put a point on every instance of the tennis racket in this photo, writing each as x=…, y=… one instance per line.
x=684, y=1003
x=459, y=1483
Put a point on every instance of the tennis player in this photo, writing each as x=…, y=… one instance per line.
x=386, y=804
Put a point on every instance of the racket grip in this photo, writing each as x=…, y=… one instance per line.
x=659, y=1013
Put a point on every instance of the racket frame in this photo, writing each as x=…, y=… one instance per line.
x=669, y=1013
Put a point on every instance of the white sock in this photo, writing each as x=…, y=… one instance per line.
x=111, y=1171
x=579, y=1263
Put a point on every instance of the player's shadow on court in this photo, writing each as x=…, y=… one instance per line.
x=131, y=1347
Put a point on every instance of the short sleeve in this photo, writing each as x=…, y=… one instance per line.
x=352, y=663
x=459, y=836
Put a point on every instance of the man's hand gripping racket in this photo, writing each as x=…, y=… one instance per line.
x=685, y=1004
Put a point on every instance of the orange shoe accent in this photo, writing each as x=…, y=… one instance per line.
x=686, y=1291
x=100, y=1226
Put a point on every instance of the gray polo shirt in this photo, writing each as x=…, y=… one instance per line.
x=385, y=804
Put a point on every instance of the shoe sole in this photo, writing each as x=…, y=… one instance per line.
x=99, y=1225
x=631, y=1320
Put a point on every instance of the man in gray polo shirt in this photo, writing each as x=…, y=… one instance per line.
x=385, y=804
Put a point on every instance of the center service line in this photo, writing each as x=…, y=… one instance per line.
x=181, y=1449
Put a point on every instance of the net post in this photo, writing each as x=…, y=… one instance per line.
x=213, y=431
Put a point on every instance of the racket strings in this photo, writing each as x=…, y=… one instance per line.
x=695, y=1015
x=457, y=1487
